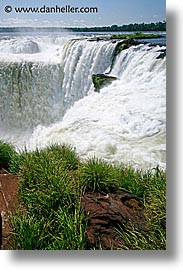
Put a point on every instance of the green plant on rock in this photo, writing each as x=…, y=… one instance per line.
x=102, y=80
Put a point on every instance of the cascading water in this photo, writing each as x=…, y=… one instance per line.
x=29, y=93
x=80, y=60
x=34, y=93
x=125, y=122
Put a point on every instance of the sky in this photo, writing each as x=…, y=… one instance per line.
x=109, y=12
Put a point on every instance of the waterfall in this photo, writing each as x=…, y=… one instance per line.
x=140, y=65
x=126, y=121
x=80, y=60
x=29, y=94
x=34, y=93
x=49, y=91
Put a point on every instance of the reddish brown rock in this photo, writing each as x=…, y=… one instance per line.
x=106, y=213
x=8, y=203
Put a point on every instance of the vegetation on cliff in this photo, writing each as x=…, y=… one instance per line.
x=136, y=35
x=101, y=80
x=53, y=183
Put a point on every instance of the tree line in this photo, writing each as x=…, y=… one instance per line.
x=159, y=26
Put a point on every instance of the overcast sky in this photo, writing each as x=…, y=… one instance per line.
x=110, y=12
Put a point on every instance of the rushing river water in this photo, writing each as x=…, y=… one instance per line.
x=47, y=96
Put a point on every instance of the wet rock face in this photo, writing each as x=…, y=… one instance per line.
x=105, y=213
x=102, y=80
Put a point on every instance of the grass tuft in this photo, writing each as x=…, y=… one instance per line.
x=98, y=175
x=7, y=155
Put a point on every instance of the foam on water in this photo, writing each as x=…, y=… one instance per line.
x=126, y=121
x=39, y=92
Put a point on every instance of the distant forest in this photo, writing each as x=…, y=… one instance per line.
x=159, y=26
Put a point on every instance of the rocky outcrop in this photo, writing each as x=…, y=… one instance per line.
x=106, y=213
x=101, y=80
x=162, y=54
x=8, y=204
x=122, y=45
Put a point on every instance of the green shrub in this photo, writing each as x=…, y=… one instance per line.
x=30, y=233
x=63, y=229
x=46, y=178
x=7, y=154
x=98, y=175
x=70, y=229
x=65, y=153
x=49, y=215
x=132, y=180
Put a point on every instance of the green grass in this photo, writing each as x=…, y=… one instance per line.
x=154, y=197
x=49, y=198
x=136, y=35
x=7, y=155
x=52, y=181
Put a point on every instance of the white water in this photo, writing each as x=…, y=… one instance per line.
x=35, y=90
x=126, y=121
